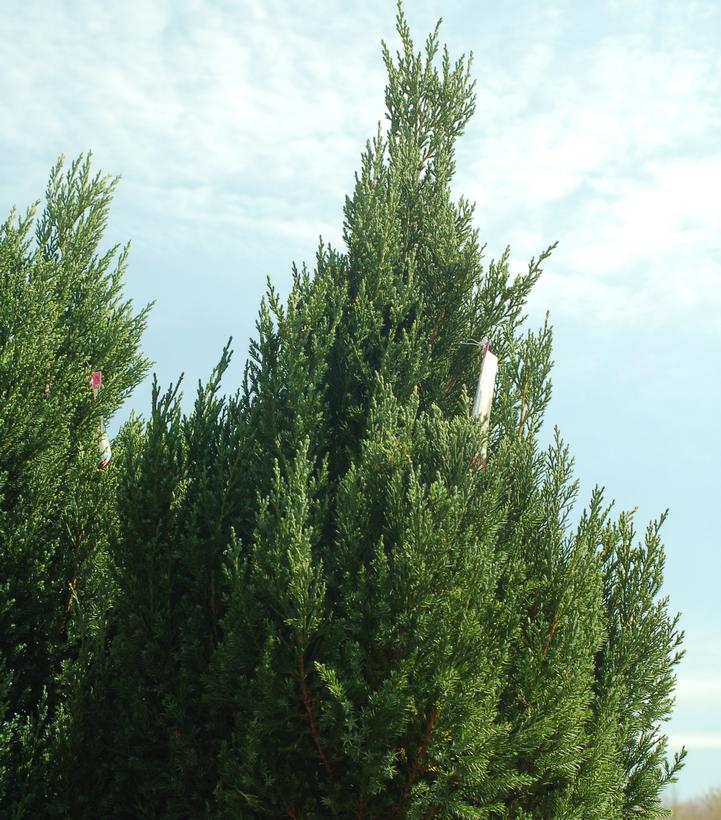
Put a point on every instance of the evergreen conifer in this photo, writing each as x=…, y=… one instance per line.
x=323, y=604
x=62, y=316
x=408, y=635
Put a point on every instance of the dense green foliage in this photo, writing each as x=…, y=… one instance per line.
x=308, y=600
x=61, y=317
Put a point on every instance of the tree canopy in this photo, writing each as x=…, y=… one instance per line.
x=311, y=599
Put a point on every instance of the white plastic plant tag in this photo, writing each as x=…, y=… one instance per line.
x=484, y=397
x=105, y=451
x=104, y=446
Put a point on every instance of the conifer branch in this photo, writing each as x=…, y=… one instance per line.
x=418, y=765
x=311, y=719
x=73, y=582
x=437, y=326
x=551, y=633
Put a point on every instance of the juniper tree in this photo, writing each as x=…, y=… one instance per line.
x=407, y=634
x=139, y=711
x=62, y=316
x=325, y=605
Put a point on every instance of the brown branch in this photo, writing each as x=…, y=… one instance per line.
x=73, y=582
x=213, y=612
x=522, y=422
x=552, y=632
x=311, y=719
x=417, y=767
x=437, y=326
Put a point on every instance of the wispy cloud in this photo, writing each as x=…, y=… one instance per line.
x=696, y=722
x=699, y=689
x=230, y=113
x=696, y=741
x=607, y=144
x=595, y=127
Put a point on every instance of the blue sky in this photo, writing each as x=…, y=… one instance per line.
x=237, y=127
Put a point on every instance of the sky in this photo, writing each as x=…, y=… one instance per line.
x=237, y=128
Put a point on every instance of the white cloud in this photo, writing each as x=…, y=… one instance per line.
x=196, y=105
x=645, y=251
x=609, y=148
x=696, y=722
x=699, y=688
x=694, y=741
x=593, y=127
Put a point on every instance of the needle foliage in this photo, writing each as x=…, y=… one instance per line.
x=317, y=602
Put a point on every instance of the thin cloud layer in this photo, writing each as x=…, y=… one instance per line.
x=234, y=115
x=607, y=144
x=594, y=127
